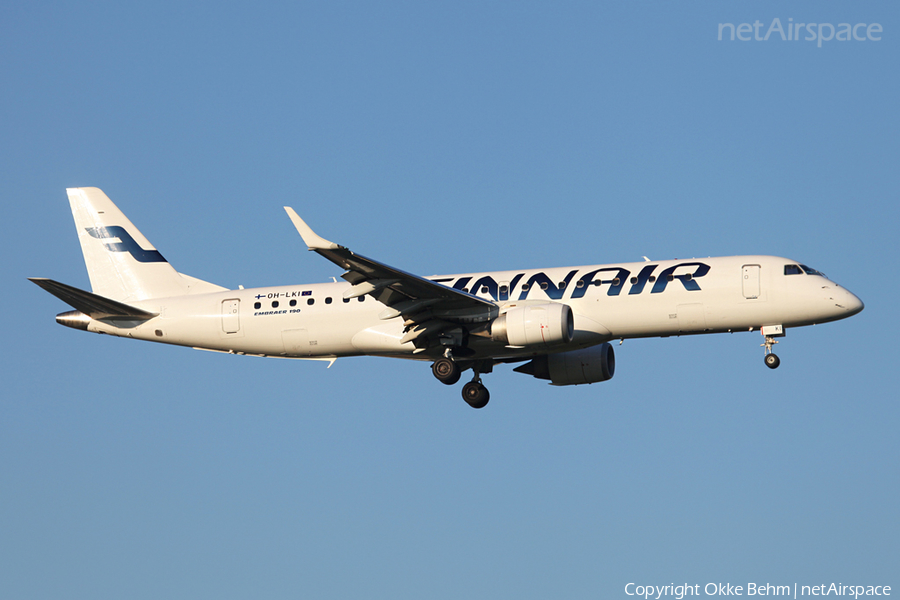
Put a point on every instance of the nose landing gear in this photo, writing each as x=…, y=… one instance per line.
x=771, y=332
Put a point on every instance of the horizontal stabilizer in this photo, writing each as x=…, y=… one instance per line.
x=97, y=307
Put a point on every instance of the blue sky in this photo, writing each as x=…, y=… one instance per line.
x=442, y=139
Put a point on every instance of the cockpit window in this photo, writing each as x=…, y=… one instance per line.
x=792, y=270
x=811, y=271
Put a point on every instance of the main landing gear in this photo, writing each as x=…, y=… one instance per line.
x=448, y=372
x=475, y=394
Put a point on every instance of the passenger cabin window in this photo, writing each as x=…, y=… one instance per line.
x=792, y=270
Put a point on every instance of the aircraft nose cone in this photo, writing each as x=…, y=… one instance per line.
x=839, y=303
x=852, y=303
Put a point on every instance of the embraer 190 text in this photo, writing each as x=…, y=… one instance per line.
x=557, y=322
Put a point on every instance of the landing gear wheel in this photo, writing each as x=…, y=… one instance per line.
x=475, y=394
x=446, y=371
x=772, y=361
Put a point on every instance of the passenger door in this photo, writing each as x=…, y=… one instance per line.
x=750, y=280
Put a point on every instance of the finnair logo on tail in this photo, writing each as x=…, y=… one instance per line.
x=124, y=243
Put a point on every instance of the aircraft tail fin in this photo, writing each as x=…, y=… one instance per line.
x=122, y=264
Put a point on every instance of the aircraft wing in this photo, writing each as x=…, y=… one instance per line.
x=427, y=307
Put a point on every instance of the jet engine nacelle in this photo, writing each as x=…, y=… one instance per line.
x=535, y=325
x=588, y=365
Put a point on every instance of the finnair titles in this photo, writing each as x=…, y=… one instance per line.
x=555, y=324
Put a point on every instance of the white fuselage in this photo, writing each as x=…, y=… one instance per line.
x=617, y=301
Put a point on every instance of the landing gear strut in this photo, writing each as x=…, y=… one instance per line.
x=771, y=359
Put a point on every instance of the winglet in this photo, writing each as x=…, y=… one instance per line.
x=313, y=241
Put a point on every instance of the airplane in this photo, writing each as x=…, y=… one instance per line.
x=558, y=323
